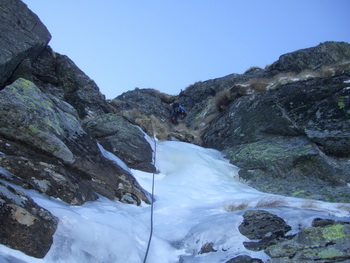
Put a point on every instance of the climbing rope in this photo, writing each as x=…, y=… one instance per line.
x=152, y=198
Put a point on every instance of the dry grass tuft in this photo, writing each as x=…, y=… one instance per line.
x=328, y=72
x=309, y=204
x=265, y=202
x=158, y=128
x=252, y=69
x=344, y=206
x=261, y=85
x=270, y=201
x=149, y=124
x=258, y=85
x=152, y=126
x=165, y=97
x=183, y=133
x=336, y=69
x=253, y=86
x=234, y=207
x=116, y=104
x=222, y=100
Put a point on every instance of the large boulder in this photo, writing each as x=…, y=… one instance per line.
x=123, y=139
x=30, y=116
x=145, y=102
x=263, y=226
x=34, y=169
x=54, y=150
x=58, y=75
x=23, y=38
x=244, y=259
x=24, y=225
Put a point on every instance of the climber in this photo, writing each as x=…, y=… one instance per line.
x=178, y=112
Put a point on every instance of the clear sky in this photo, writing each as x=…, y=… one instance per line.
x=170, y=44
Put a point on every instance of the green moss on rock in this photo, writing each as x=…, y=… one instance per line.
x=330, y=253
x=335, y=232
x=313, y=244
x=33, y=129
x=257, y=154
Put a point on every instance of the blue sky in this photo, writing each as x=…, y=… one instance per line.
x=170, y=44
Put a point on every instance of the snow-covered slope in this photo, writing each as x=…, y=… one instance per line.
x=197, y=195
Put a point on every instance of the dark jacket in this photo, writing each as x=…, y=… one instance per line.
x=178, y=112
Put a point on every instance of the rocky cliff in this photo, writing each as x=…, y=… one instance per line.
x=286, y=126
x=291, y=139
x=44, y=99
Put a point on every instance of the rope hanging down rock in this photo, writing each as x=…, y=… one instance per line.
x=152, y=198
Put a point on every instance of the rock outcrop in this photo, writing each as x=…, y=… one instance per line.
x=313, y=58
x=44, y=97
x=123, y=139
x=328, y=243
x=244, y=259
x=146, y=108
x=296, y=132
x=325, y=241
x=22, y=38
x=24, y=225
x=73, y=161
x=58, y=75
x=151, y=110
x=263, y=226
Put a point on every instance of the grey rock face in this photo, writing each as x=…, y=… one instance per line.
x=321, y=108
x=147, y=102
x=58, y=75
x=298, y=130
x=326, y=241
x=34, y=170
x=258, y=224
x=324, y=54
x=263, y=226
x=125, y=140
x=244, y=259
x=79, y=90
x=22, y=38
x=28, y=115
x=151, y=110
x=66, y=155
x=315, y=244
x=24, y=225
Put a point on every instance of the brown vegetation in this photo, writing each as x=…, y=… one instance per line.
x=165, y=97
x=222, y=100
x=265, y=202
x=226, y=96
x=270, y=201
x=252, y=69
x=261, y=84
x=236, y=206
x=258, y=85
